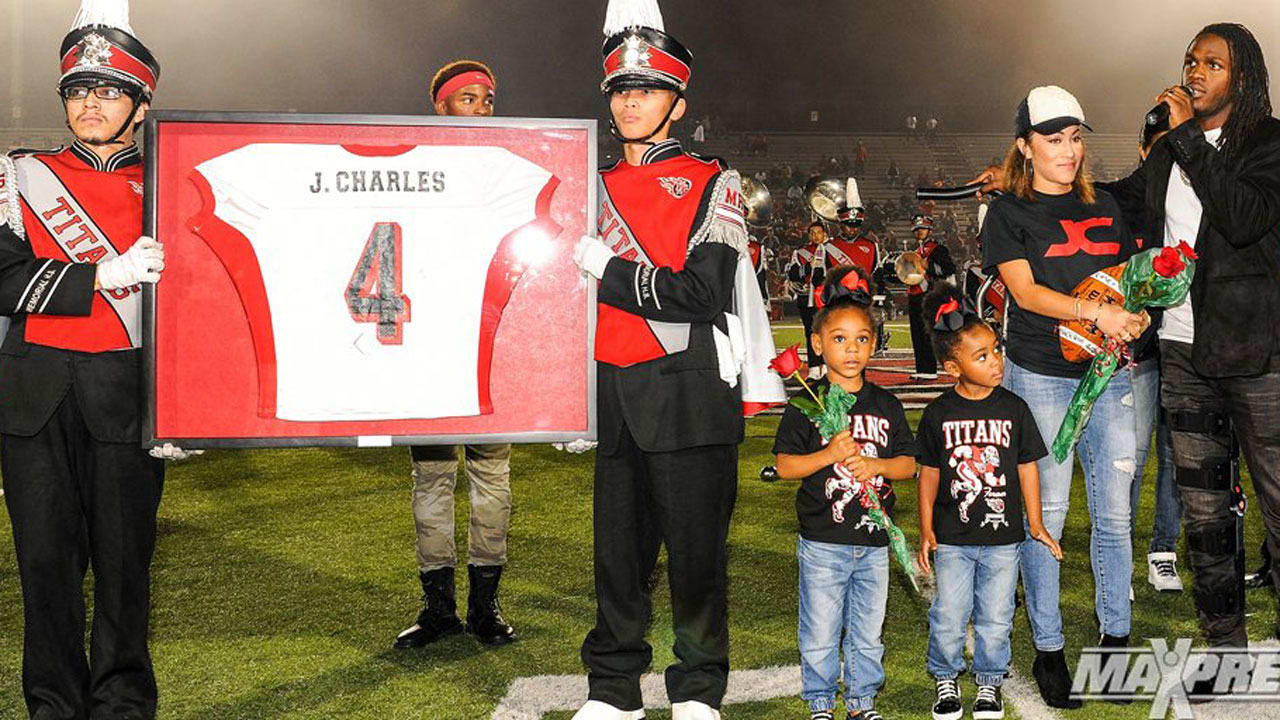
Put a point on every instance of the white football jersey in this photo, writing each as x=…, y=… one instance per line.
x=373, y=279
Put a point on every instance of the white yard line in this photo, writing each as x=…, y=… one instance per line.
x=530, y=697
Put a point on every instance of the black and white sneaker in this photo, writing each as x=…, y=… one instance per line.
x=822, y=715
x=1162, y=572
x=865, y=715
x=947, y=705
x=987, y=704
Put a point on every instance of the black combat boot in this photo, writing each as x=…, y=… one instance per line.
x=484, y=615
x=439, y=616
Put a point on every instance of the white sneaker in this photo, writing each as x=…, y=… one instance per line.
x=1162, y=571
x=693, y=710
x=596, y=710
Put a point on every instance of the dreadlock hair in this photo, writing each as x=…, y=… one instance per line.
x=1250, y=93
x=456, y=68
x=845, y=302
x=944, y=342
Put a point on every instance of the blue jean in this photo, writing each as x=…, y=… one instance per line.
x=842, y=588
x=1107, y=452
x=1167, y=524
x=977, y=581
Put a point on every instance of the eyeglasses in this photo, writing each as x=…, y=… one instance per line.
x=102, y=92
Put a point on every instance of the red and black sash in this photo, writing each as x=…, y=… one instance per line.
x=77, y=214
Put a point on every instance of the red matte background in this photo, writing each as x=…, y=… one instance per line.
x=206, y=372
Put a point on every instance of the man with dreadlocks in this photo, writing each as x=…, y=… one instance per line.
x=1213, y=181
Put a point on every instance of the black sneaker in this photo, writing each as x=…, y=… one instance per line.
x=947, y=705
x=988, y=705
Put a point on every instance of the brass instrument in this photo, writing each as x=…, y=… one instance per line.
x=910, y=268
x=826, y=195
x=759, y=204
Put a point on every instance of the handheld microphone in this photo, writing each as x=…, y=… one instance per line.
x=1159, y=115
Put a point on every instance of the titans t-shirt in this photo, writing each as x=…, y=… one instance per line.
x=977, y=445
x=828, y=502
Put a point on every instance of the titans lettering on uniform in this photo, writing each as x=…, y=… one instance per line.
x=357, y=265
x=48, y=212
x=661, y=186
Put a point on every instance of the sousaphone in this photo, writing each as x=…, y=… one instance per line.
x=755, y=195
x=826, y=195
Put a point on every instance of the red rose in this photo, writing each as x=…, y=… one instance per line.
x=788, y=361
x=1187, y=251
x=1168, y=263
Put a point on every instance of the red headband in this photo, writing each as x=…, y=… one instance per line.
x=455, y=83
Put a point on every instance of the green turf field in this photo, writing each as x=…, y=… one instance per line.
x=283, y=575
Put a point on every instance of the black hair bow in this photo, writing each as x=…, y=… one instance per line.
x=852, y=285
x=953, y=314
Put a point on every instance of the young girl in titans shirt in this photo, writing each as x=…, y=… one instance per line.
x=978, y=446
x=843, y=554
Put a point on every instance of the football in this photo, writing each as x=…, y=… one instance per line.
x=1081, y=339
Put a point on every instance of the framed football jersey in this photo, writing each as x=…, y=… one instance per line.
x=368, y=280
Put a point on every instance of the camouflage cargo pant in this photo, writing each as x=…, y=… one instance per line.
x=435, y=471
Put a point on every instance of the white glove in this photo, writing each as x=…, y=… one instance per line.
x=141, y=263
x=169, y=451
x=576, y=447
x=592, y=255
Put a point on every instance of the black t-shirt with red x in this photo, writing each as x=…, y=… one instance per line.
x=1064, y=240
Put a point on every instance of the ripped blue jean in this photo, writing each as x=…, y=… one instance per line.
x=1107, y=452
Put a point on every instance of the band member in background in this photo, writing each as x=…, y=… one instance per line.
x=938, y=266
x=675, y=276
x=461, y=88
x=859, y=248
x=806, y=270
x=80, y=489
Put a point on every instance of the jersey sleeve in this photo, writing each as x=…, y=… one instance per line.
x=241, y=183
x=700, y=291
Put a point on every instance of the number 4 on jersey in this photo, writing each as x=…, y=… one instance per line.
x=374, y=293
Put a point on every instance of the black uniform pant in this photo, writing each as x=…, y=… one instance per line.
x=75, y=502
x=920, y=343
x=1203, y=456
x=643, y=500
x=806, y=319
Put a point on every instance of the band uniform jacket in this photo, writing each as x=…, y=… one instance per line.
x=61, y=212
x=1235, y=294
x=676, y=224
